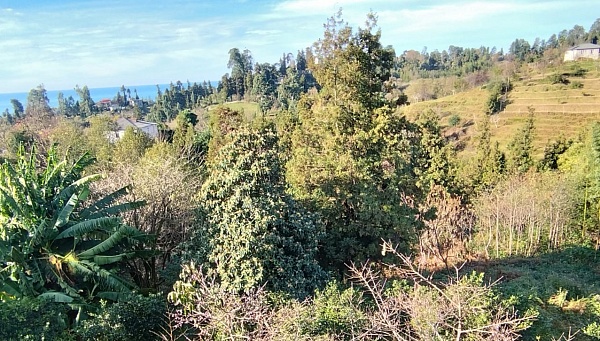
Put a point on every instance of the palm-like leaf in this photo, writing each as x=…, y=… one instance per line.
x=48, y=241
x=88, y=226
x=55, y=296
x=105, y=202
x=116, y=209
x=74, y=187
x=104, y=260
x=104, y=246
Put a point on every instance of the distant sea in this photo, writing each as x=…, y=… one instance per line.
x=143, y=91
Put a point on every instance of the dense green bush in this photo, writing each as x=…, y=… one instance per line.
x=558, y=78
x=33, y=319
x=334, y=311
x=137, y=318
x=454, y=120
x=256, y=232
x=497, y=99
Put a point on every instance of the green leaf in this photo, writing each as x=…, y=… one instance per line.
x=107, y=201
x=17, y=255
x=65, y=214
x=116, y=209
x=51, y=173
x=103, y=260
x=104, y=246
x=12, y=204
x=42, y=233
x=87, y=226
x=11, y=288
x=73, y=187
x=58, y=297
x=111, y=280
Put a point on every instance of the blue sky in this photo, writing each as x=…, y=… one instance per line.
x=103, y=43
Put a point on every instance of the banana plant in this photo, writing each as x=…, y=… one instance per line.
x=57, y=243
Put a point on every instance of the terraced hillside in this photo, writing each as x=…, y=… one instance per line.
x=559, y=108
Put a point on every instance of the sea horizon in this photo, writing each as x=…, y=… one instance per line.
x=146, y=92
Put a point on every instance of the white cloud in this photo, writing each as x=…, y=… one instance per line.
x=157, y=42
x=314, y=6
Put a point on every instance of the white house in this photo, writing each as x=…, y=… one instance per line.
x=591, y=51
x=150, y=128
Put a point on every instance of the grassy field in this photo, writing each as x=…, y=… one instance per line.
x=560, y=109
x=562, y=287
x=250, y=109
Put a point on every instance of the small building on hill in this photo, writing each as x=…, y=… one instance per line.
x=591, y=51
x=149, y=128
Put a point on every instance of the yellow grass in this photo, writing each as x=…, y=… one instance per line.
x=559, y=109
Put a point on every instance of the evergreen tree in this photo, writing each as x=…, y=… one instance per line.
x=552, y=153
x=37, y=103
x=434, y=162
x=256, y=232
x=87, y=107
x=489, y=163
x=352, y=157
x=521, y=147
x=17, y=108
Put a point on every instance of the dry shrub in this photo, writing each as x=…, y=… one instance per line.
x=446, y=233
x=524, y=215
x=461, y=308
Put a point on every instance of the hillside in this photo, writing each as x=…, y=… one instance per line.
x=559, y=108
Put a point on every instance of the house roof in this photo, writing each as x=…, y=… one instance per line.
x=143, y=124
x=587, y=46
x=124, y=123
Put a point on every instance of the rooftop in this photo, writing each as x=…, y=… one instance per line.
x=586, y=46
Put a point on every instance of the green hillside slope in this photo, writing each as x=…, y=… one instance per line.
x=559, y=108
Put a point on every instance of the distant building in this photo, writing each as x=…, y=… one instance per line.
x=149, y=128
x=590, y=51
x=104, y=104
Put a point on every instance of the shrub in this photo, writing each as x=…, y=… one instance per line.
x=137, y=318
x=207, y=310
x=33, y=319
x=558, y=79
x=576, y=85
x=576, y=71
x=459, y=308
x=498, y=96
x=334, y=311
x=454, y=120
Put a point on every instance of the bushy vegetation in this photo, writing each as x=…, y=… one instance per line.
x=34, y=319
x=135, y=318
x=323, y=212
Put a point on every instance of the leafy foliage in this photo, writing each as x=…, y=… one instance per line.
x=257, y=233
x=335, y=311
x=352, y=157
x=33, y=319
x=131, y=147
x=53, y=245
x=558, y=286
x=520, y=157
x=134, y=318
x=497, y=99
